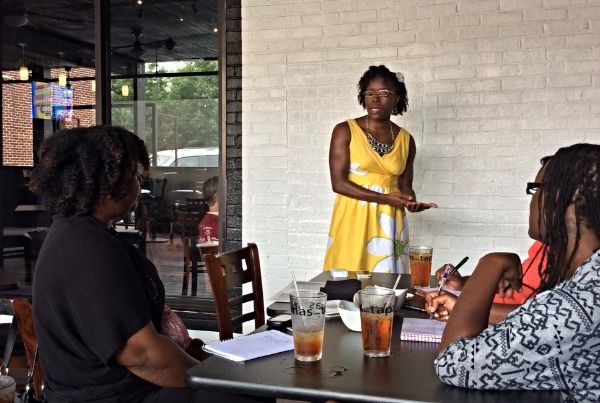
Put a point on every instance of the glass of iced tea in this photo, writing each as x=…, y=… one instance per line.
x=376, y=320
x=308, y=322
x=420, y=265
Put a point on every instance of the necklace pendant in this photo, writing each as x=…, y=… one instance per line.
x=377, y=146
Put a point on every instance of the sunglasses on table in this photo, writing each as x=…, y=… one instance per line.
x=532, y=187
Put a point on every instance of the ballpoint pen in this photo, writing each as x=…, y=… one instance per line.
x=447, y=273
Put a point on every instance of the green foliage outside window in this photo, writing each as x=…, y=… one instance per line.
x=186, y=107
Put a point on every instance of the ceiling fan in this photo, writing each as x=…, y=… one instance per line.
x=138, y=48
x=16, y=16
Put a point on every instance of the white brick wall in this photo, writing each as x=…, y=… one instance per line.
x=494, y=85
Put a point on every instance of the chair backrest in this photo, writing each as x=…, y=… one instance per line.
x=227, y=275
x=156, y=186
x=198, y=205
x=189, y=224
x=23, y=313
x=192, y=262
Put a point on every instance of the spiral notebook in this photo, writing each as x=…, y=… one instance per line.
x=427, y=330
x=252, y=346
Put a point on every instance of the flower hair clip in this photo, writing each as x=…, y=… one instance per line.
x=400, y=76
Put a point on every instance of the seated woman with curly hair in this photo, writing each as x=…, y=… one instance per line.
x=97, y=301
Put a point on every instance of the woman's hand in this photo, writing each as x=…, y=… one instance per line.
x=509, y=265
x=420, y=206
x=495, y=273
x=440, y=306
x=454, y=281
x=399, y=199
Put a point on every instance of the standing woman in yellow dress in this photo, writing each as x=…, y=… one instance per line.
x=371, y=167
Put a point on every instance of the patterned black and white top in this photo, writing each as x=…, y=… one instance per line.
x=552, y=342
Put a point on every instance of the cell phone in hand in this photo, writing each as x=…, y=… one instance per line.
x=280, y=322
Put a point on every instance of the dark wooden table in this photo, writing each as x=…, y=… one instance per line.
x=345, y=374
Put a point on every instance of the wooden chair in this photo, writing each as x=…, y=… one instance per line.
x=22, y=311
x=198, y=205
x=17, y=244
x=192, y=264
x=227, y=275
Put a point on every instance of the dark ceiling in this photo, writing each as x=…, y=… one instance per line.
x=168, y=30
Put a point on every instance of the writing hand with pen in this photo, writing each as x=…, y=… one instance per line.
x=508, y=265
x=454, y=281
x=439, y=304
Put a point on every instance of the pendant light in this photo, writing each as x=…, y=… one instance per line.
x=62, y=79
x=62, y=76
x=23, y=70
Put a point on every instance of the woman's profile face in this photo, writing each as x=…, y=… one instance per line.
x=536, y=228
x=378, y=106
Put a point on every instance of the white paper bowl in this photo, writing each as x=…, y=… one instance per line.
x=400, y=296
x=350, y=315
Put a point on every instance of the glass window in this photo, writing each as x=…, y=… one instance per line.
x=47, y=69
x=187, y=161
x=165, y=88
x=164, y=66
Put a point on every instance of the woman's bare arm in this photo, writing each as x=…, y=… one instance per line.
x=339, y=168
x=155, y=358
x=405, y=180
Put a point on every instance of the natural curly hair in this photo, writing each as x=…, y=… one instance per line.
x=78, y=167
x=386, y=74
x=569, y=177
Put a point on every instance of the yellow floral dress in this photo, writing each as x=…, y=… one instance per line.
x=370, y=236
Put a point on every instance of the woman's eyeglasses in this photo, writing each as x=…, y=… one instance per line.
x=532, y=187
x=380, y=93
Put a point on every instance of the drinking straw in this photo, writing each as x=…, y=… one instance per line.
x=397, y=282
x=298, y=294
x=296, y=287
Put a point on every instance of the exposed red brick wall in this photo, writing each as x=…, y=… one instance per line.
x=17, y=128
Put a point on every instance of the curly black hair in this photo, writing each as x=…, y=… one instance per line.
x=78, y=167
x=571, y=176
x=385, y=73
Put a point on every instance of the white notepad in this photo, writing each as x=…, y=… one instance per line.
x=427, y=330
x=252, y=346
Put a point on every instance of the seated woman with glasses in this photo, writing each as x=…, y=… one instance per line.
x=505, y=301
x=98, y=303
x=371, y=168
x=551, y=341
